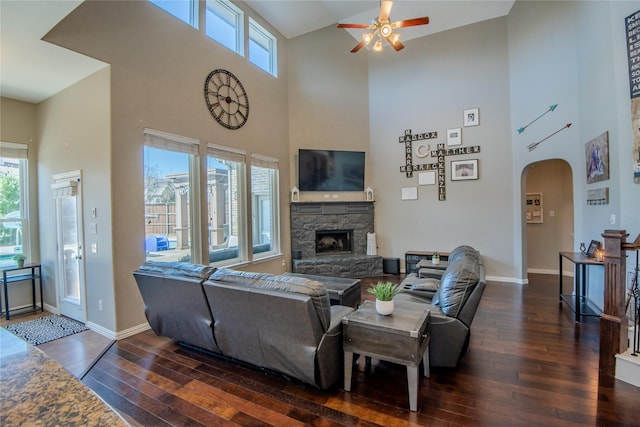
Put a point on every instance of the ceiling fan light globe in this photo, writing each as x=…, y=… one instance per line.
x=377, y=47
x=395, y=37
x=367, y=37
x=386, y=30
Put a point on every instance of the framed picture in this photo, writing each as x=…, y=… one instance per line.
x=409, y=193
x=597, y=158
x=534, y=208
x=427, y=178
x=471, y=117
x=454, y=136
x=464, y=169
x=593, y=247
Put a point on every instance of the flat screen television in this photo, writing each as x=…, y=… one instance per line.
x=330, y=170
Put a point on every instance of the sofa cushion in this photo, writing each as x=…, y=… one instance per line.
x=184, y=269
x=280, y=283
x=457, y=283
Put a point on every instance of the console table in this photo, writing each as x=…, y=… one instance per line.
x=26, y=272
x=341, y=291
x=579, y=301
x=412, y=258
x=402, y=337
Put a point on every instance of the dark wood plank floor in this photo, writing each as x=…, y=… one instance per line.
x=528, y=364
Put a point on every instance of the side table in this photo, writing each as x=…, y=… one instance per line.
x=31, y=275
x=402, y=337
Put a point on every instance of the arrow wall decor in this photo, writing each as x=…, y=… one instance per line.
x=532, y=147
x=552, y=108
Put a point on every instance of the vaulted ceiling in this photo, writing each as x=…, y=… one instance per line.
x=32, y=70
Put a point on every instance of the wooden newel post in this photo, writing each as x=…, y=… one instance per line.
x=613, y=323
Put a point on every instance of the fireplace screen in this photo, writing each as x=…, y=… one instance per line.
x=333, y=241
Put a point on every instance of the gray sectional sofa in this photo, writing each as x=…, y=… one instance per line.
x=281, y=323
x=452, y=296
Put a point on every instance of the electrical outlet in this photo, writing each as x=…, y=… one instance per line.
x=99, y=305
x=94, y=248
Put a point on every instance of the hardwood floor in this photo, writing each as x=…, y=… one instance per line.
x=76, y=353
x=528, y=364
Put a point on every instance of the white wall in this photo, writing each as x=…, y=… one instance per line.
x=426, y=87
x=558, y=56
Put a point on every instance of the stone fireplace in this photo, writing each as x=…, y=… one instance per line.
x=331, y=239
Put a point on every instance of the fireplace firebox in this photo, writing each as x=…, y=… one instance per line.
x=328, y=241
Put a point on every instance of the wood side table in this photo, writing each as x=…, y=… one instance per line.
x=402, y=337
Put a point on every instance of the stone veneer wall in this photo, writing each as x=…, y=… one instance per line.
x=308, y=217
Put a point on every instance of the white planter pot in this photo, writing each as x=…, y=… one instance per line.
x=435, y=261
x=384, y=308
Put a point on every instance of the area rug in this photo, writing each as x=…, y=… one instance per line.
x=45, y=329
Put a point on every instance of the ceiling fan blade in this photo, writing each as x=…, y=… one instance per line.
x=385, y=10
x=410, y=22
x=358, y=47
x=397, y=45
x=353, y=25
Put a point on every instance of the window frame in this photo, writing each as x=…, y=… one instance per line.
x=227, y=11
x=274, y=178
x=19, y=152
x=269, y=44
x=193, y=19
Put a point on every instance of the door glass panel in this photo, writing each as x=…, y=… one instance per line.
x=70, y=248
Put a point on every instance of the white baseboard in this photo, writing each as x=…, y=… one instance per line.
x=514, y=280
x=118, y=335
x=628, y=368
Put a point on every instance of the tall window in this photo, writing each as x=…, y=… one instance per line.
x=169, y=172
x=224, y=24
x=185, y=10
x=264, y=206
x=225, y=207
x=14, y=215
x=263, y=48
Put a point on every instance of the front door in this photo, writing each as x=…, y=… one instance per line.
x=69, y=244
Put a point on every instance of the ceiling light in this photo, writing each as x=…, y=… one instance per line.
x=385, y=30
x=367, y=37
x=378, y=46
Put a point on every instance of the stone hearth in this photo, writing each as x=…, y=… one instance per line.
x=357, y=217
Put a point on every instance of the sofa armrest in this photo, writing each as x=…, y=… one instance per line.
x=329, y=356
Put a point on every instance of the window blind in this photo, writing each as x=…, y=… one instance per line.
x=225, y=153
x=13, y=150
x=264, y=161
x=170, y=142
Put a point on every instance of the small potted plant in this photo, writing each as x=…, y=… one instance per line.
x=435, y=258
x=19, y=259
x=384, y=292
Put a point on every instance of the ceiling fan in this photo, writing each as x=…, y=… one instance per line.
x=382, y=27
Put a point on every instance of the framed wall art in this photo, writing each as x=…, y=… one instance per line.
x=471, y=117
x=464, y=169
x=454, y=136
x=597, y=158
x=534, y=208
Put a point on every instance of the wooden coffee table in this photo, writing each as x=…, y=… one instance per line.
x=402, y=337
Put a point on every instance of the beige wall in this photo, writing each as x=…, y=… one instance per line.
x=74, y=131
x=328, y=101
x=554, y=180
x=18, y=125
x=158, y=68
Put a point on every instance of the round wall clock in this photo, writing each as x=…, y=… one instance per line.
x=226, y=99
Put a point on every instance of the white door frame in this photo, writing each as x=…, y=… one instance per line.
x=67, y=185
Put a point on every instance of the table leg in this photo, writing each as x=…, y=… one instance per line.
x=560, y=274
x=41, y=295
x=6, y=300
x=33, y=288
x=577, y=287
x=425, y=363
x=348, y=367
x=412, y=380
